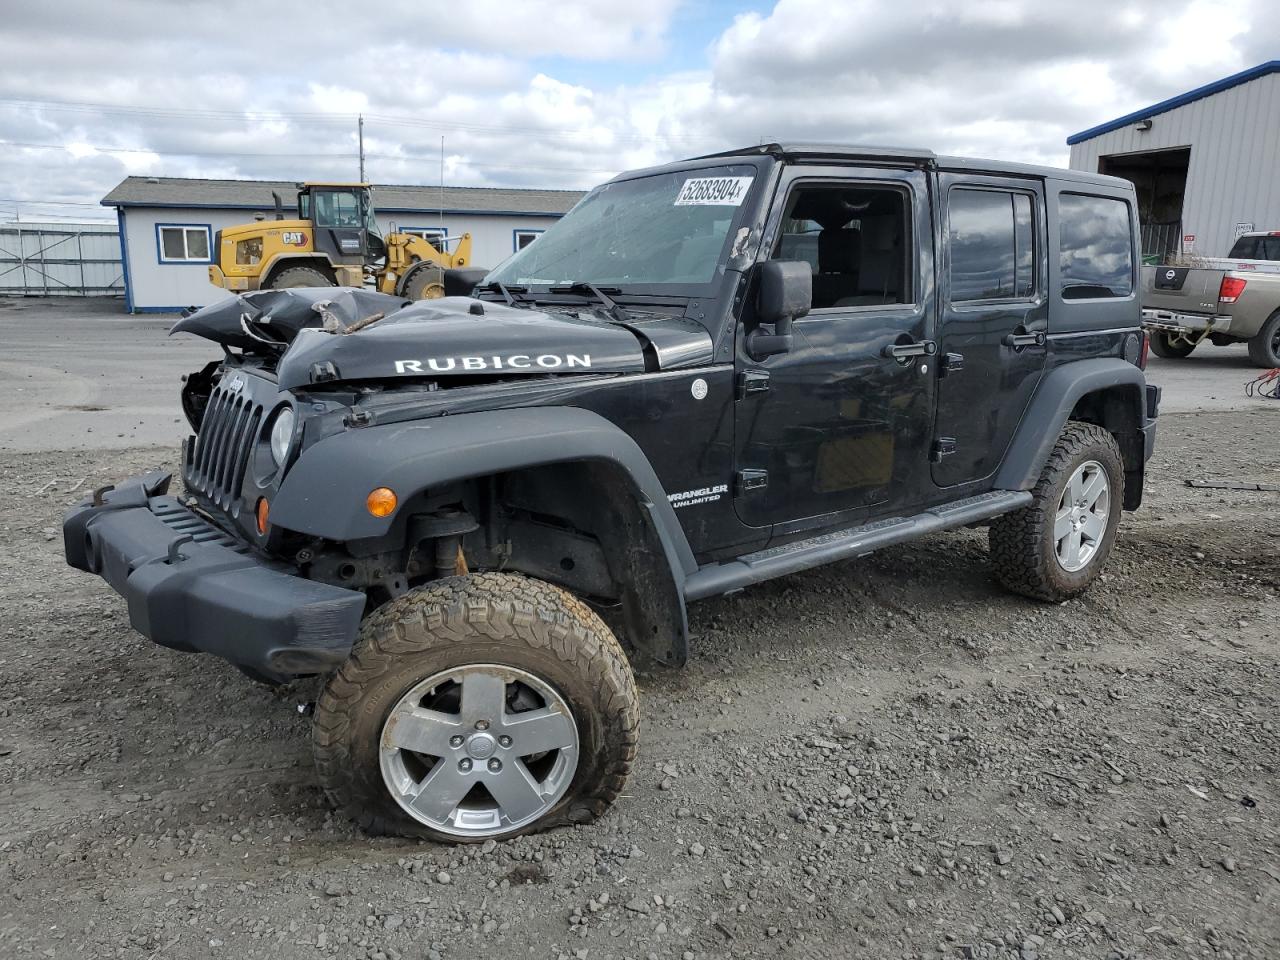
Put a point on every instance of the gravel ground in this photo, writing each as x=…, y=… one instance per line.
x=883, y=758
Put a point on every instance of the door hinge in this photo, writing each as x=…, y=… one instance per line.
x=752, y=382
x=942, y=447
x=950, y=363
x=747, y=480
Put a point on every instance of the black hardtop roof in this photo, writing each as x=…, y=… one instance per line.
x=915, y=156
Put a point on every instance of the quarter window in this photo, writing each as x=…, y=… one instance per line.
x=182, y=244
x=991, y=237
x=1096, y=244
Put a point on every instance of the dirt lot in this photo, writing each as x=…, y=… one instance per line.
x=884, y=758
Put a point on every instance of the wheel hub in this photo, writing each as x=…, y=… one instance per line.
x=480, y=750
x=1081, y=521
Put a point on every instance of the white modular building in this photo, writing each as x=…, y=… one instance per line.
x=167, y=226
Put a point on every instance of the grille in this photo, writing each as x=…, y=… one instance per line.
x=228, y=431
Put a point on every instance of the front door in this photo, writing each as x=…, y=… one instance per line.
x=839, y=427
x=993, y=319
x=339, y=219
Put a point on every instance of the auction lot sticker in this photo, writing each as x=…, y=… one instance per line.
x=714, y=192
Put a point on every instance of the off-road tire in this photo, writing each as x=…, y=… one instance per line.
x=481, y=618
x=291, y=277
x=1264, y=346
x=1023, y=552
x=424, y=283
x=1162, y=345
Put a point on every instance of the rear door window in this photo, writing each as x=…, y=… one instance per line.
x=990, y=235
x=1095, y=247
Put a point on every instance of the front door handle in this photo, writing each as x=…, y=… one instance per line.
x=904, y=351
x=1020, y=340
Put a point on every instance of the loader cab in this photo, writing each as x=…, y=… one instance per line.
x=345, y=228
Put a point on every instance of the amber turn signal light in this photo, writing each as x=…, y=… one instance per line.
x=381, y=502
x=260, y=513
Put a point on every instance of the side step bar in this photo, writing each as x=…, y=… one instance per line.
x=718, y=578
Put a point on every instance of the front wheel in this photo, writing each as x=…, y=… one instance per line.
x=293, y=277
x=1055, y=548
x=481, y=706
x=1164, y=345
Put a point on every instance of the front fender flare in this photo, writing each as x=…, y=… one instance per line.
x=324, y=492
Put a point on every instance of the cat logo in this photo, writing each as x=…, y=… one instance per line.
x=294, y=238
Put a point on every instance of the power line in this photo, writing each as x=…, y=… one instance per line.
x=384, y=119
x=407, y=158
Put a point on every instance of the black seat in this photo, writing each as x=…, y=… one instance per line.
x=838, y=259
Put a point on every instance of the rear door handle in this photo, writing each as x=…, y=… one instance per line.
x=903, y=351
x=1020, y=340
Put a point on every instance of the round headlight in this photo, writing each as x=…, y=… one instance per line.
x=282, y=436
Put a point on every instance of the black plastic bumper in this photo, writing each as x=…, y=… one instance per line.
x=1149, y=424
x=193, y=587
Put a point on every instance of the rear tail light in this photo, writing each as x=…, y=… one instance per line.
x=1143, y=350
x=1231, y=289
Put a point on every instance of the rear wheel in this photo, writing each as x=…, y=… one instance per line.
x=300, y=277
x=1164, y=345
x=474, y=707
x=1264, y=346
x=1055, y=548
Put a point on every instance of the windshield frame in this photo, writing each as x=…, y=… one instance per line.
x=746, y=215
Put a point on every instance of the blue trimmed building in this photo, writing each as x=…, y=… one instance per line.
x=167, y=226
x=1206, y=164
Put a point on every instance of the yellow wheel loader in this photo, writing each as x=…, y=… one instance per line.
x=334, y=241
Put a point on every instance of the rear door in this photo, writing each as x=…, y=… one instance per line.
x=994, y=316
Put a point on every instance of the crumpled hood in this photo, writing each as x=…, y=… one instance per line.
x=448, y=337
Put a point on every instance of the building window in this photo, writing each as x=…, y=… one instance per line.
x=1096, y=247
x=522, y=238
x=990, y=235
x=433, y=235
x=183, y=243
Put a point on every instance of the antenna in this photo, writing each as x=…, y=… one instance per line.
x=360, y=135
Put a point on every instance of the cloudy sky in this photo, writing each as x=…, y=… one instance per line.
x=566, y=93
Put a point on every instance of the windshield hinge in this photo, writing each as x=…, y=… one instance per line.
x=752, y=382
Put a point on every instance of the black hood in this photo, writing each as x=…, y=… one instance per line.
x=435, y=339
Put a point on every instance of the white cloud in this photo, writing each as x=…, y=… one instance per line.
x=530, y=94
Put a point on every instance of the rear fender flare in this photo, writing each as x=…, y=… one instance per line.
x=1059, y=395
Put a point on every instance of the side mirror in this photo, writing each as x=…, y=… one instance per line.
x=785, y=292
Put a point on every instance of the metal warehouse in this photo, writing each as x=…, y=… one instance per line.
x=1206, y=164
x=167, y=225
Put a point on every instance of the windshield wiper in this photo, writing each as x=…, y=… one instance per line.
x=497, y=286
x=582, y=288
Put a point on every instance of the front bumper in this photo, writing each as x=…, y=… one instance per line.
x=191, y=586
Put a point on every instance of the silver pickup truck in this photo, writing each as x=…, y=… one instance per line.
x=1231, y=300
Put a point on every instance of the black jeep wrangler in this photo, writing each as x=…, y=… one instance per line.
x=705, y=375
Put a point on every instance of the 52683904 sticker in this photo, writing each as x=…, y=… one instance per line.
x=713, y=192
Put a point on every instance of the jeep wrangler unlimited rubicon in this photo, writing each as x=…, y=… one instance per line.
x=707, y=374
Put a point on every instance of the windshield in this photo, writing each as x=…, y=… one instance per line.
x=670, y=229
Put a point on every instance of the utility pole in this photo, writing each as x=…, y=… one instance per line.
x=360, y=133
x=442, y=184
